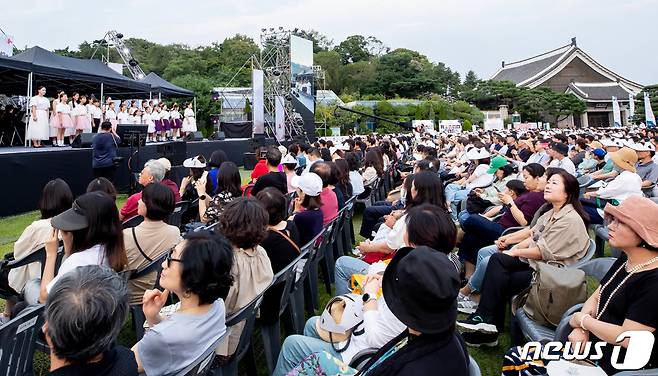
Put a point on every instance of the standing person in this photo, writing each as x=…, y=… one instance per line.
x=110, y=114
x=156, y=115
x=96, y=115
x=104, y=150
x=189, y=121
x=122, y=116
x=82, y=121
x=64, y=114
x=37, y=128
x=54, y=120
x=176, y=122
x=147, y=119
x=166, y=121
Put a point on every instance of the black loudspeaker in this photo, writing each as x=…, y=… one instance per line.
x=83, y=140
x=194, y=136
x=175, y=151
x=218, y=136
x=250, y=161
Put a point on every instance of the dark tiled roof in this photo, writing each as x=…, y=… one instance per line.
x=598, y=92
x=522, y=71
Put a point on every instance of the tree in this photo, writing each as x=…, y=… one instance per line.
x=361, y=77
x=639, y=103
x=320, y=41
x=354, y=48
x=471, y=82
x=404, y=73
x=333, y=69
x=544, y=104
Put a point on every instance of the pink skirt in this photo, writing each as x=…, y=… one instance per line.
x=54, y=121
x=65, y=121
x=81, y=122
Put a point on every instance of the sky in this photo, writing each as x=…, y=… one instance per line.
x=465, y=35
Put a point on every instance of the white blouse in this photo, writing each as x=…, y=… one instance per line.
x=41, y=103
x=63, y=108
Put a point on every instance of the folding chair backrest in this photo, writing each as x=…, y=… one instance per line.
x=285, y=278
x=309, y=252
x=201, y=366
x=290, y=203
x=176, y=216
x=153, y=266
x=132, y=222
x=598, y=268
x=17, y=341
x=247, y=315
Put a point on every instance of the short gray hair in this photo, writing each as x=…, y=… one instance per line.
x=85, y=311
x=156, y=169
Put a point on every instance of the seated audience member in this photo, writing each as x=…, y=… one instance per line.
x=153, y=172
x=244, y=223
x=328, y=197
x=427, y=225
x=281, y=245
x=274, y=177
x=373, y=167
x=289, y=163
x=426, y=188
x=198, y=271
x=228, y=189
x=475, y=176
x=92, y=235
x=627, y=183
x=333, y=185
x=607, y=171
x=167, y=178
x=260, y=168
x=559, y=152
x=343, y=177
x=426, y=306
x=151, y=238
x=307, y=214
x=356, y=180
x=594, y=160
x=646, y=167
x=313, y=155
x=216, y=159
x=489, y=196
x=559, y=236
x=102, y=185
x=56, y=198
x=520, y=201
x=626, y=298
x=197, y=166
x=83, y=317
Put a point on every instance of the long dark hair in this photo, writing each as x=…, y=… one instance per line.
x=429, y=190
x=374, y=160
x=572, y=189
x=104, y=228
x=56, y=198
x=228, y=179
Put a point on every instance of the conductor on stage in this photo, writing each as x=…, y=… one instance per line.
x=104, y=151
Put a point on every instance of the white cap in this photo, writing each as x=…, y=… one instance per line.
x=288, y=158
x=195, y=162
x=477, y=153
x=309, y=183
x=283, y=149
x=642, y=146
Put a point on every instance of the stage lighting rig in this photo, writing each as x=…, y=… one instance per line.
x=115, y=39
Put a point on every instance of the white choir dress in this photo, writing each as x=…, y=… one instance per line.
x=39, y=129
x=189, y=123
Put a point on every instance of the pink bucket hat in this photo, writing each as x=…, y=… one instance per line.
x=641, y=215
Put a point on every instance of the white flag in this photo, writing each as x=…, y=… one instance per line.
x=616, y=113
x=6, y=45
x=631, y=105
x=648, y=112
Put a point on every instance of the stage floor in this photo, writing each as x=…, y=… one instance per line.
x=27, y=170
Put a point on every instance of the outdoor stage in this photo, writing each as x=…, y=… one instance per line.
x=25, y=170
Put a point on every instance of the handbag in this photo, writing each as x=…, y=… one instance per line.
x=553, y=290
x=476, y=204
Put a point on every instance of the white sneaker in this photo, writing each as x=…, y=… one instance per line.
x=465, y=304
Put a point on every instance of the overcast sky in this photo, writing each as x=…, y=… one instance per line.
x=466, y=34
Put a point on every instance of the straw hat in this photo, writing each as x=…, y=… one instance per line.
x=625, y=158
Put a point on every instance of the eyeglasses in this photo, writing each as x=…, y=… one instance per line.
x=170, y=259
x=611, y=221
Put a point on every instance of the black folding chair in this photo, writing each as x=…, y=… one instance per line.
x=176, y=217
x=18, y=341
x=281, y=290
x=136, y=311
x=320, y=256
x=299, y=289
x=247, y=315
x=37, y=256
x=132, y=222
x=201, y=366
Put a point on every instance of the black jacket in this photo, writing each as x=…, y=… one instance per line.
x=423, y=355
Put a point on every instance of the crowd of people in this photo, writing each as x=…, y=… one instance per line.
x=469, y=219
x=65, y=116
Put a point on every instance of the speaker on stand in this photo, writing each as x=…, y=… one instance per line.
x=83, y=140
x=194, y=136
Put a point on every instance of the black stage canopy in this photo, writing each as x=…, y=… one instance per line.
x=164, y=87
x=61, y=72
